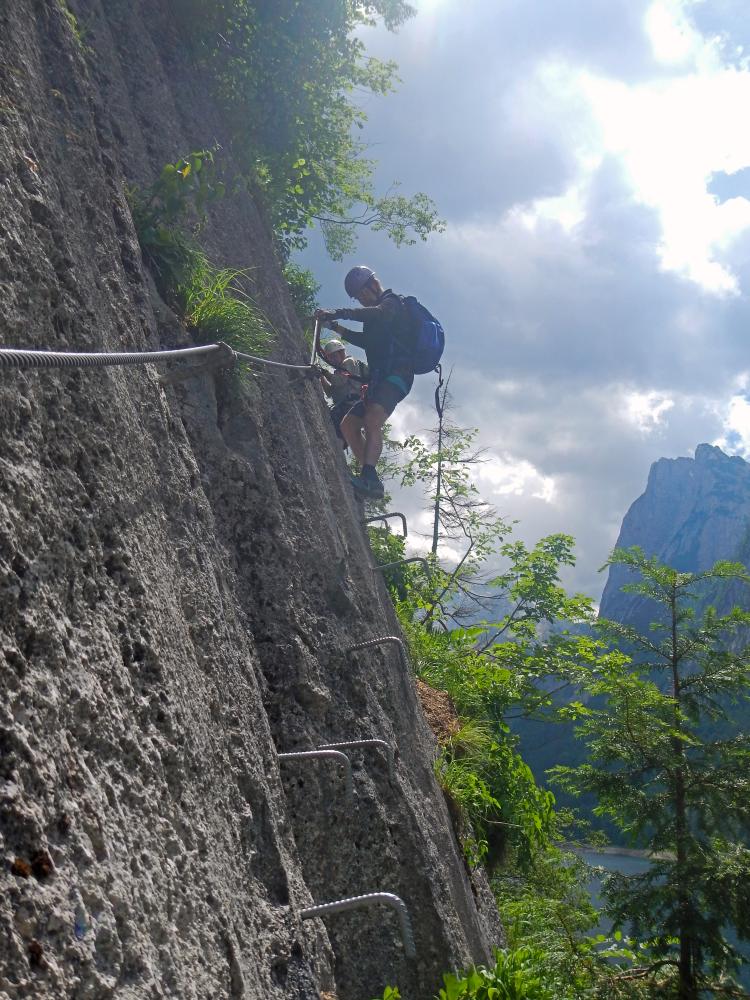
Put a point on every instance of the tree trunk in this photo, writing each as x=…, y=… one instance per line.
x=686, y=970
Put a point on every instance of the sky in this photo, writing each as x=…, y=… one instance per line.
x=591, y=159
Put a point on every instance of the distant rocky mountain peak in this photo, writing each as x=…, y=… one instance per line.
x=694, y=511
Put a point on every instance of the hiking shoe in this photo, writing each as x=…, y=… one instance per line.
x=369, y=489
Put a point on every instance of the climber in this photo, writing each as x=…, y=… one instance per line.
x=344, y=384
x=387, y=338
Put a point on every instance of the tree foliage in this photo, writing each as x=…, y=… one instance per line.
x=481, y=630
x=686, y=797
x=289, y=74
x=498, y=632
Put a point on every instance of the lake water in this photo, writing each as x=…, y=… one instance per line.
x=629, y=865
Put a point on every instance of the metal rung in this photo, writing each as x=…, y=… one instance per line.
x=336, y=755
x=384, y=517
x=355, y=902
x=377, y=642
x=402, y=562
x=387, y=748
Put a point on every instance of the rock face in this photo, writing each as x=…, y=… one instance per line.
x=693, y=512
x=181, y=572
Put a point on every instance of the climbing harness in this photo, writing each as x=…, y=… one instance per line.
x=354, y=902
x=335, y=755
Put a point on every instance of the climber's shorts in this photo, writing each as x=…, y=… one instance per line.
x=387, y=393
x=339, y=411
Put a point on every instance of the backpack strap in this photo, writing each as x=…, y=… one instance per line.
x=397, y=340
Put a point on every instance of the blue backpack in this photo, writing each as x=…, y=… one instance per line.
x=429, y=336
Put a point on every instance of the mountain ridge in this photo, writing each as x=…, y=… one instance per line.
x=692, y=513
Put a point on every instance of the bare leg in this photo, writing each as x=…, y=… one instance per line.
x=351, y=428
x=375, y=417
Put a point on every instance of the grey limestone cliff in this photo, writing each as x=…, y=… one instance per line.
x=181, y=571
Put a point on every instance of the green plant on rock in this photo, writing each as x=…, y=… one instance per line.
x=601, y=970
x=212, y=301
x=518, y=974
x=389, y=993
x=462, y=769
x=190, y=183
x=493, y=792
x=216, y=307
x=303, y=289
x=75, y=26
x=170, y=250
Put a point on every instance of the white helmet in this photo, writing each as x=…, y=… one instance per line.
x=331, y=346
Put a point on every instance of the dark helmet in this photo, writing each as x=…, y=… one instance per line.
x=357, y=278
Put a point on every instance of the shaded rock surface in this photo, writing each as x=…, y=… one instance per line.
x=181, y=572
x=694, y=512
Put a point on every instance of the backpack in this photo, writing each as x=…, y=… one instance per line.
x=429, y=336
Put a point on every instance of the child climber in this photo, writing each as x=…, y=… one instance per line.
x=344, y=384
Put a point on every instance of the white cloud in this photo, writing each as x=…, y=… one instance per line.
x=735, y=417
x=646, y=409
x=406, y=419
x=419, y=541
x=507, y=475
x=673, y=39
x=567, y=209
x=670, y=134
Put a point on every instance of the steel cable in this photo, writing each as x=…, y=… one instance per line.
x=276, y=364
x=13, y=358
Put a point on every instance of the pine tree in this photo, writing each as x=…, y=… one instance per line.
x=666, y=768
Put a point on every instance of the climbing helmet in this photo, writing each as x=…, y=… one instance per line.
x=357, y=278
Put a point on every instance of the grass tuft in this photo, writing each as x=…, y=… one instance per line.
x=216, y=307
x=211, y=300
x=72, y=20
